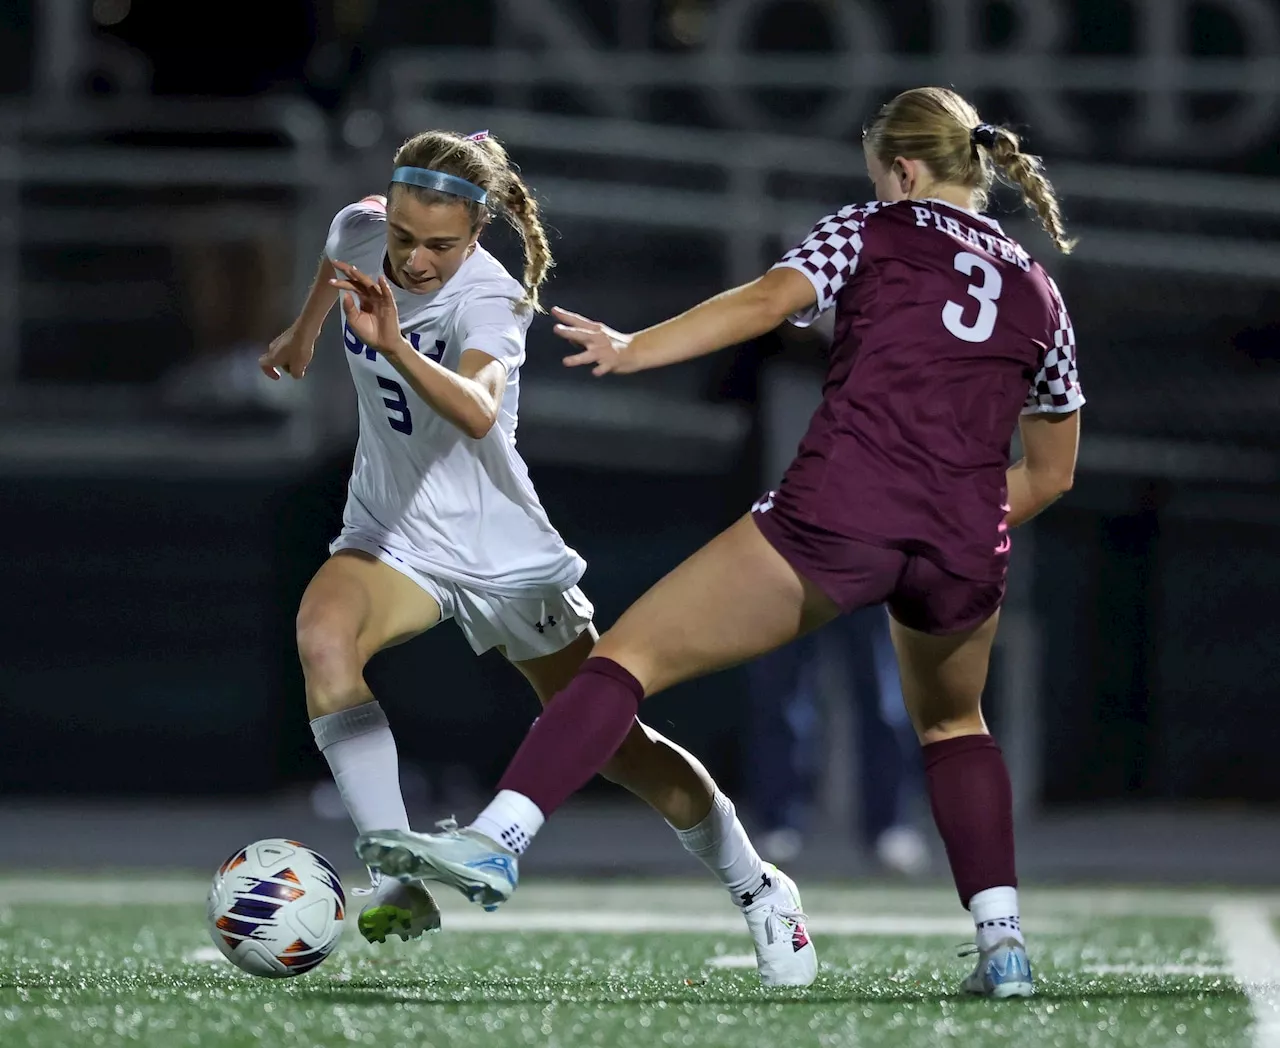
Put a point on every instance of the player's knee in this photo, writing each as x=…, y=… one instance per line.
x=326, y=650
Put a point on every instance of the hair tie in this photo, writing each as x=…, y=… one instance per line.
x=478, y=136
x=984, y=135
x=440, y=182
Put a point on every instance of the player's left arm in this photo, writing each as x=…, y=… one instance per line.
x=734, y=316
x=469, y=398
x=1050, y=423
x=1046, y=471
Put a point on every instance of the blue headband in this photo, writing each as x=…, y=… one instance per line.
x=440, y=182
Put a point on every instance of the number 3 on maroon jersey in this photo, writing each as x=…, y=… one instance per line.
x=986, y=289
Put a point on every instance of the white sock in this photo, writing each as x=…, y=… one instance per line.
x=722, y=846
x=995, y=915
x=511, y=819
x=361, y=752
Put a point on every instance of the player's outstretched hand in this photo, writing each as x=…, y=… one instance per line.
x=599, y=345
x=370, y=308
x=290, y=353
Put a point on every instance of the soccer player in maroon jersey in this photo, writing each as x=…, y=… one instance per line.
x=947, y=338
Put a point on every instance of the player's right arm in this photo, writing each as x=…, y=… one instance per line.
x=734, y=316
x=292, y=350
x=801, y=287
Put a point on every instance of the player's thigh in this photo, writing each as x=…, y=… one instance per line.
x=550, y=674
x=357, y=601
x=734, y=599
x=943, y=677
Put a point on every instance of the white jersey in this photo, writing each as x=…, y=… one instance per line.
x=450, y=506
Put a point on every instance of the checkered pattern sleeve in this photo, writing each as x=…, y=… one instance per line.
x=1056, y=388
x=828, y=256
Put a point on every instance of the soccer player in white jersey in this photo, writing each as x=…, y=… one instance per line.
x=442, y=521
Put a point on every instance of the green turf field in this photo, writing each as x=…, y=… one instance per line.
x=128, y=961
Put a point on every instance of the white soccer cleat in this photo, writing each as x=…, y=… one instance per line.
x=1002, y=971
x=784, y=952
x=406, y=910
x=479, y=867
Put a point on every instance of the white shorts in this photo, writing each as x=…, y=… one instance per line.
x=523, y=627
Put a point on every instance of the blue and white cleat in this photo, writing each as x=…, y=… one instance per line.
x=405, y=910
x=1002, y=971
x=481, y=868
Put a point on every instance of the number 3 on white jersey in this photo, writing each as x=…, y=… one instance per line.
x=985, y=291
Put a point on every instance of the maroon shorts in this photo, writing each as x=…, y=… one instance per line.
x=919, y=594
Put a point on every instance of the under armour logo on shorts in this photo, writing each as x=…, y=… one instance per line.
x=542, y=627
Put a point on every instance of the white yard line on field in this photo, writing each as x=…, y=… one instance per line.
x=103, y=891
x=688, y=896
x=731, y=960
x=622, y=922
x=557, y=912
x=748, y=960
x=1207, y=970
x=694, y=906
x=1248, y=940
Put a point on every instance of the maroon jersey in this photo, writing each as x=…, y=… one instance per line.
x=945, y=330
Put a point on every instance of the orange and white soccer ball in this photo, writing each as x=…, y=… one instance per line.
x=276, y=908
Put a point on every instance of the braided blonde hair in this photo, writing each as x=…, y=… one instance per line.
x=484, y=163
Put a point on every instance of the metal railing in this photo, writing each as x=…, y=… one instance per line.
x=286, y=191
x=750, y=215
x=1181, y=224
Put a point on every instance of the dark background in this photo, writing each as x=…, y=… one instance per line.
x=155, y=553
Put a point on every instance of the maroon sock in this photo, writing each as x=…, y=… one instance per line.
x=972, y=804
x=581, y=728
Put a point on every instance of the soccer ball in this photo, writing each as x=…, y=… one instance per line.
x=276, y=908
